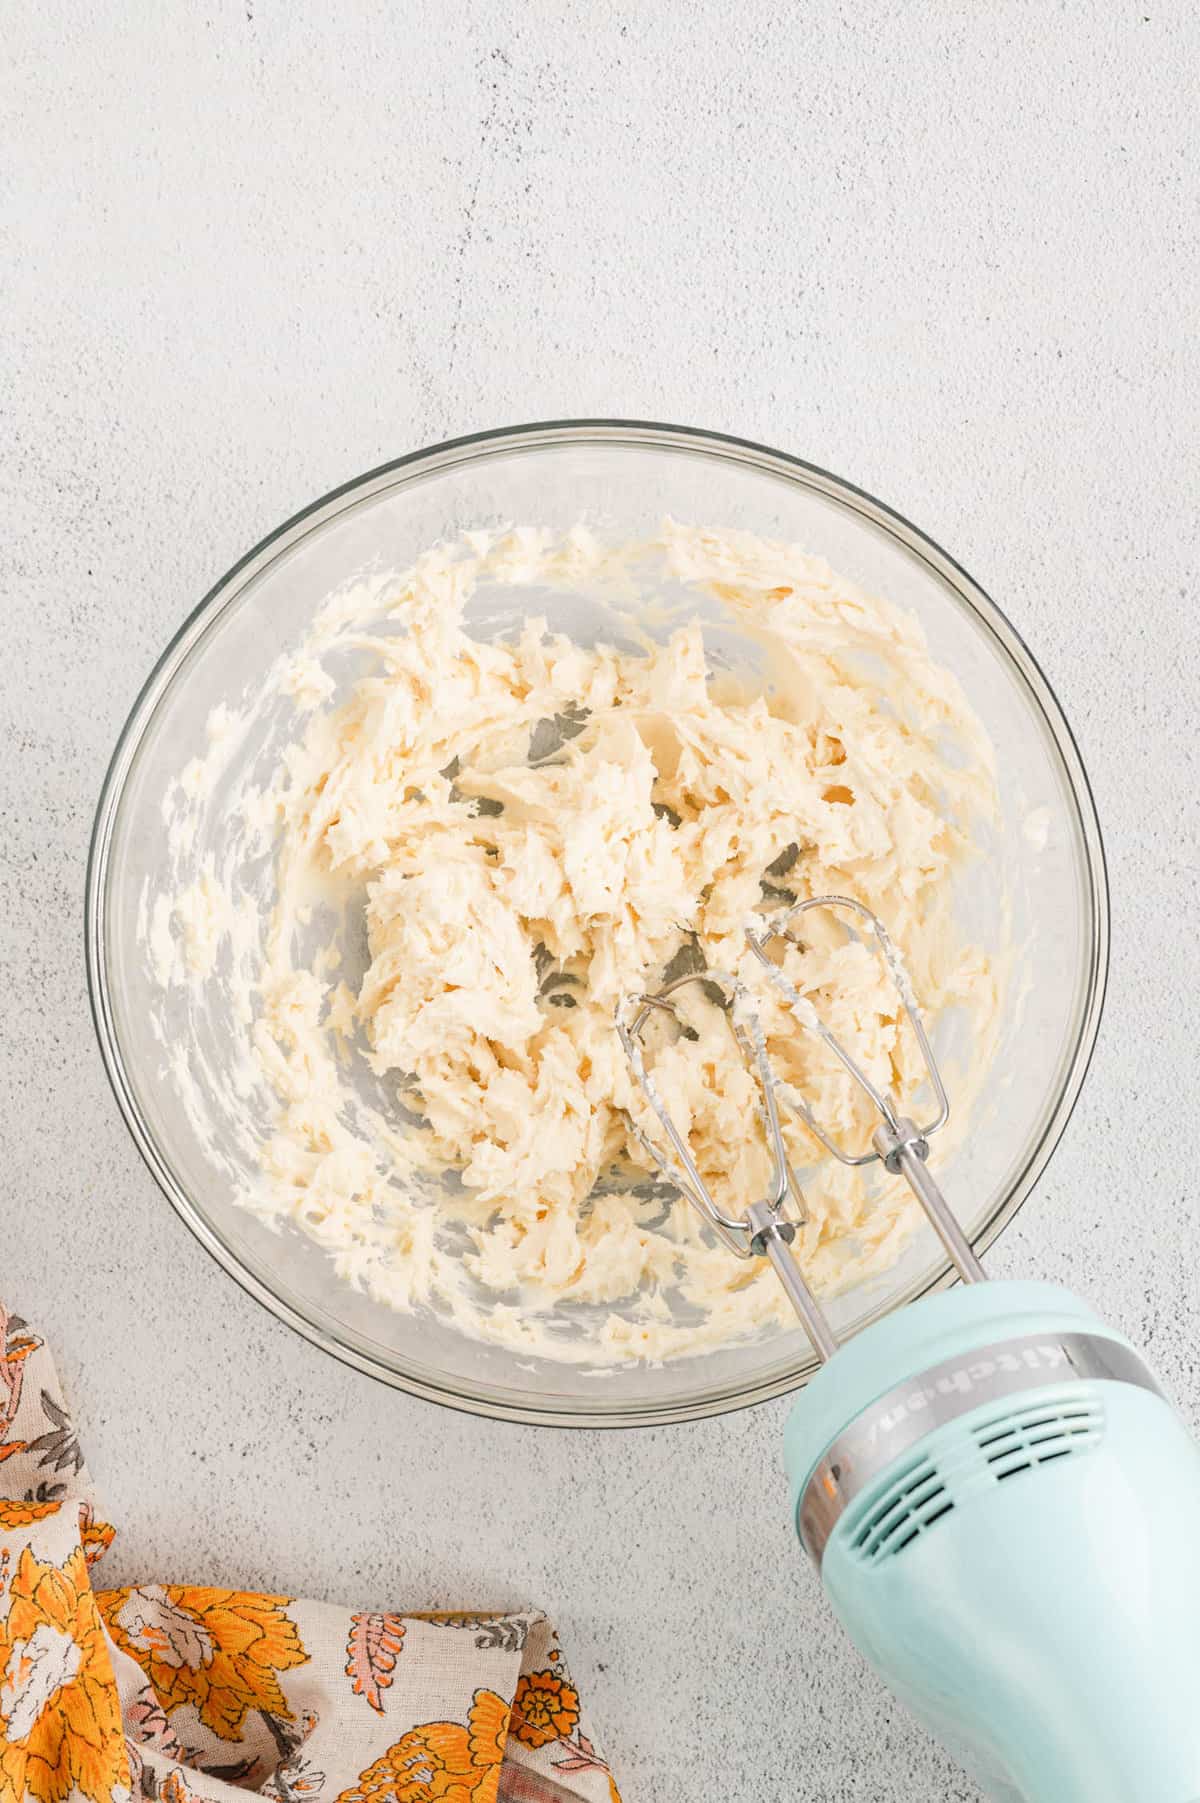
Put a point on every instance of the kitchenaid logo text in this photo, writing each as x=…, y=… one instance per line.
x=962, y=1380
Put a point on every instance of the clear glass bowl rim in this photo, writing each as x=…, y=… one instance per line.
x=342, y=1341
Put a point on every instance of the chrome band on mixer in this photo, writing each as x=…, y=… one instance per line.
x=911, y=1411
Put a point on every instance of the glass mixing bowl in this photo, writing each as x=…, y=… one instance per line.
x=1041, y=886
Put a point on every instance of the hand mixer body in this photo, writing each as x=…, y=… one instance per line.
x=1006, y=1517
x=1004, y=1509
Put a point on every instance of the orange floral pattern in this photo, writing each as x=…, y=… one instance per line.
x=372, y=1650
x=19, y=1514
x=175, y=1693
x=97, y=1536
x=219, y=1650
x=545, y=1708
x=16, y=1345
x=61, y=1717
x=441, y=1762
x=487, y=1729
x=175, y=1789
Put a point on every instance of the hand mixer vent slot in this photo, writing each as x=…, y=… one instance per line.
x=910, y=1504
x=980, y=1454
x=1056, y=1428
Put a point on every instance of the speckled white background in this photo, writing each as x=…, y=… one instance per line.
x=256, y=246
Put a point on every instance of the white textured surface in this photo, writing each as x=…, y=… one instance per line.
x=946, y=250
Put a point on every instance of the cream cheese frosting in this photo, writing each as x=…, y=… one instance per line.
x=473, y=847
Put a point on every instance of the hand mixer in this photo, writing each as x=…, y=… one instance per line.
x=1003, y=1509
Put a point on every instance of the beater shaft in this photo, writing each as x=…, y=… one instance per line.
x=904, y=1149
x=802, y=1300
x=773, y=1238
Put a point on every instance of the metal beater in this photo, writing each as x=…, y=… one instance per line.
x=1001, y=1504
x=765, y=1228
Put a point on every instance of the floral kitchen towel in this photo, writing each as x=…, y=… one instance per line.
x=183, y=1692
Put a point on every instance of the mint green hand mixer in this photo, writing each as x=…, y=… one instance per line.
x=1003, y=1508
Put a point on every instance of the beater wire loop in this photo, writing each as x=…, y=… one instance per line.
x=807, y=1018
x=898, y=1143
x=738, y=1007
